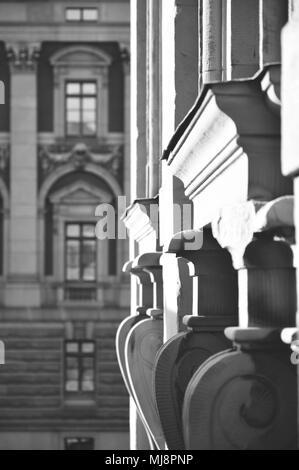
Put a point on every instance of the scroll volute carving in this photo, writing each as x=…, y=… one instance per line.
x=142, y=344
x=145, y=298
x=215, y=297
x=145, y=288
x=246, y=398
x=260, y=237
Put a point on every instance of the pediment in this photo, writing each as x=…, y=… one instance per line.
x=80, y=193
x=80, y=55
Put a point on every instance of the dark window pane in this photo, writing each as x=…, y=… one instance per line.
x=73, y=260
x=73, y=88
x=89, y=116
x=81, y=252
x=89, y=260
x=73, y=104
x=89, y=88
x=89, y=104
x=72, y=386
x=90, y=14
x=72, y=375
x=73, y=230
x=88, y=380
x=88, y=362
x=81, y=108
x=89, y=128
x=73, y=117
x=72, y=347
x=88, y=231
x=80, y=366
x=73, y=128
x=73, y=14
x=72, y=362
x=80, y=443
x=87, y=348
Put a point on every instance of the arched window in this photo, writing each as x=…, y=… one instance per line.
x=74, y=259
x=81, y=92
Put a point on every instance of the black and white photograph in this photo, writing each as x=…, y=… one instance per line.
x=149, y=204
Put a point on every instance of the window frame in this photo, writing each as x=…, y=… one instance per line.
x=81, y=239
x=81, y=11
x=67, y=66
x=80, y=356
x=80, y=442
x=81, y=97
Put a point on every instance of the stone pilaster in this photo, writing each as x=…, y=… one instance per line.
x=290, y=162
x=23, y=250
x=154, y=148
x=138, y=99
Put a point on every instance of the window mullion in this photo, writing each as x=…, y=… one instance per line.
x=81, y=253
x=80, y=363
x=81, y=110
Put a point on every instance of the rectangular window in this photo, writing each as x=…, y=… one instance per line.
x=81, y=252
x=79, y=443
x=80, y=367
x=82, y=14
x=81, y=108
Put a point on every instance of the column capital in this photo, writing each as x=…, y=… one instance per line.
x=23, y=57
x=236, y=226
x=125, y=56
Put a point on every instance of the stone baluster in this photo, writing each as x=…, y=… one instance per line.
x=246, y=398
x=141, y=220
x=142, y=344
x=145, y=301
x=203, y=283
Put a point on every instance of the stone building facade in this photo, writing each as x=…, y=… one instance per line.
x=64, y=149
x=213, y=322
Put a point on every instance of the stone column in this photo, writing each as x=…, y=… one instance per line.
x=290, y=103
x=179, y=91
x=124, y=244
x=153, y=96
x=239, y=37
x=143, y=237
x=138, y=99
x=179, y=62
x=125, y=53
x=23, y=288
x=274, y=15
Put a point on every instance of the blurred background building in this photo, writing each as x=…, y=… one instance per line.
x=64, y=149
x=206, y=354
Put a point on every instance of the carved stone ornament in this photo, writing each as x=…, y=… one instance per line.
x=23, y=57
x=79, y=155
x=142, y=346
x=127, y=325
x=243, y=400
x=143, y=339
x=231, y=134
x=236, y=226
x=142, y=221
x=175, y=365
x=214, y=304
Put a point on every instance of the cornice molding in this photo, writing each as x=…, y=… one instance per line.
x=232, y=130
x=142, y=219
